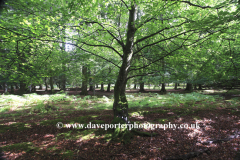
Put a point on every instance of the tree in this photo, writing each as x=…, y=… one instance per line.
x=126, y=29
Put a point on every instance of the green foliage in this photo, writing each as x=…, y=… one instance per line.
x=87, y=97
x=59, y=97
x=25, y=146
x=191, y=98
x=44, y=55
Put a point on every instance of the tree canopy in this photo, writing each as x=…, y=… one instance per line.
x=192, y=41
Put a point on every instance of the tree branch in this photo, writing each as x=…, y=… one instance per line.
x=160, y=41
x=151, y=35
x=97, y=55
x=106, y=46
x=169, y=53
x=124, y=3
x=119, y=42
x=191, y=4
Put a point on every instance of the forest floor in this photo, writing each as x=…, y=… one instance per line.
x=29, y=131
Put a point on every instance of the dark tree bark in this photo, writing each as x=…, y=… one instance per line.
x=12, y=89
x=90, y=82
x=108, y=88
x=51, y=84
x=141, y=87
x=135, y=86
x=46, y=84
x=34, y=88
x=40, y=86
x=163, y=89
x=23, y=88
x=102, y=87
x=17, y=87
x=63, y=82
x=189, y=87
x=178, y=84
x=84, y=81
x=175, y=87
x=195, y=86
x=91, y=87
x=96, y=85
x=63, y=77
x=120, y=105
x=1, y=87
x=200, y=86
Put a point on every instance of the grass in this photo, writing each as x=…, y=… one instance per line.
x=33, y=115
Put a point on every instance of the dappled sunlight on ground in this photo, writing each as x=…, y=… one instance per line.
x=35, y=135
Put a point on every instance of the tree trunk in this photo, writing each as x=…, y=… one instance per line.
x=51, y=85
x=91, y=87
x=63, y=77
x=84, y=81
x=17, y=87
x=141, y=87
x=12, y=89
x=5, y=87
x=108, y=88
x=135, y=86
x=199, y=86
x=58, y=85
x=189, y=87
x=22, y=88
x=120, y=104
x=90, y=82
x=163, y=89
x=1, y=87
x=30, y=87
x=46, y=84
x=195, y=86
x=34, y=88
x=102, y=87
x=96, y=85
x=40, y=86
x=178, y=84
x=63, y=84
x=175, y=87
